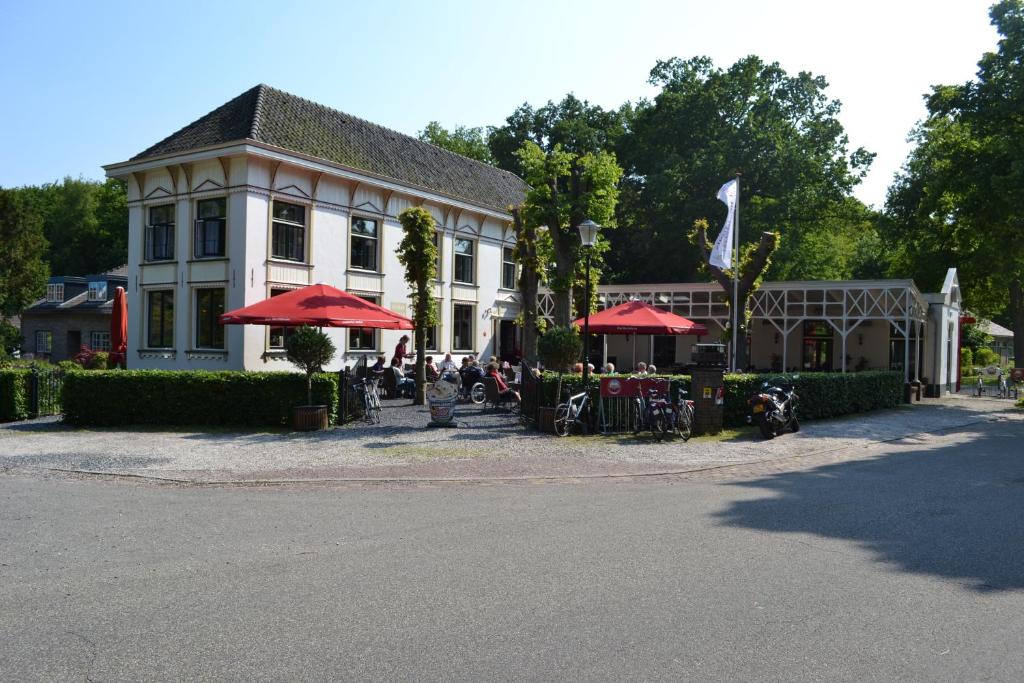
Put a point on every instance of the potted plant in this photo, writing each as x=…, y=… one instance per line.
x=310, y=350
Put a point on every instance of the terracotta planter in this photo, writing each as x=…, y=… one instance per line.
x=310, y=418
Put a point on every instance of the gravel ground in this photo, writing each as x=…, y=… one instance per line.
x=486, y=445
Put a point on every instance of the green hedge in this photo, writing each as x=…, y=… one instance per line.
x=160, y=397
x=822, y=394
x=13, y=394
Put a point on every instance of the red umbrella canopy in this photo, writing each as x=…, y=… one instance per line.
x=317, y=306
x=637, y=317
x=119, y=326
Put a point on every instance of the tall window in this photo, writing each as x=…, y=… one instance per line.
x=363, y=247
x=465, y=270
x=289, y=232
x=99, y=341
x=439, y=246
x=55, y=292
x=160, y=318
x=508, y=268
x=209, y=307
x=44, y=341
x=211, y=221
x=431, y=336
x=97, y=291
x=360, y=339
x=160, y=233
x=279, y=335
x=462, y=327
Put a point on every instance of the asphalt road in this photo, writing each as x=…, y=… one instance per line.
x=905, y=562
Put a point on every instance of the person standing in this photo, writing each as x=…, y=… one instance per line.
x=401, y=352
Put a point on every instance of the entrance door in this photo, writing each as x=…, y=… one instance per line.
x=817, y=355
x=508, y=341
x=74, y=345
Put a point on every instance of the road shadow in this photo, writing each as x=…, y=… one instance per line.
x=954, y=510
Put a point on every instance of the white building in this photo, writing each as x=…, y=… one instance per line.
x=838, y=326
x=271, y=192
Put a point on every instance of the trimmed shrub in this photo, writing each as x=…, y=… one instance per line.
x=13, y=394
x=985, y=357
x=822, y=394
x=161, y=397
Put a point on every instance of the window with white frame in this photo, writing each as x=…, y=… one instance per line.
x=160, y=233
x=363, y=243
x=363, y=339
x=44, y=341
x=97, y=291
x=211, y=223
x=508, y=268
x=55, y=292
x=431, y=336
x=160, y=319
x=439, y=262
x=462, y=327
x=99, y=341
x=209, y=307
x=288, y=238
x=465, y=261
x=279, y=335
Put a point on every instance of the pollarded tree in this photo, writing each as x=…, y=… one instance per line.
x=419, y=256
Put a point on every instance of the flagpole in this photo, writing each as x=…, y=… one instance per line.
x=736, y=279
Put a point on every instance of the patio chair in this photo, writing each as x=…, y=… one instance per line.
x=389, y=384
x=494, y=397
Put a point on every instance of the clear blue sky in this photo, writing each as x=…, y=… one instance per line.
x=87, y=84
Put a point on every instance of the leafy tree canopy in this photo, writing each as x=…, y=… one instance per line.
x=23, y=272
x=469, y=142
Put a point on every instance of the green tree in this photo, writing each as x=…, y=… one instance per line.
x=529, y=254
x=469, y=142
x=958, y=197
x=419, y=256
x=565, y=189
x=310, y=350
x=779, y=131
x=23, y=272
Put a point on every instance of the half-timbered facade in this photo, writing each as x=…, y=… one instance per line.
x=271, y=192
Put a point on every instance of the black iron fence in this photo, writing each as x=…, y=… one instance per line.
x=45, y=387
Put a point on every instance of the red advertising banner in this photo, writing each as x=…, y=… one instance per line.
x=618, y=387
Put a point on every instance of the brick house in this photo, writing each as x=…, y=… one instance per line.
x=75, y=312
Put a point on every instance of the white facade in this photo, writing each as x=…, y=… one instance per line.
x=250, y=179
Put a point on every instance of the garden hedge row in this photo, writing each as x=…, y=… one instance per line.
x=13, y=394
x=164, y=397
x=822, y=394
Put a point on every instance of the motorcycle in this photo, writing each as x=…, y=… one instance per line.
x=773, y=408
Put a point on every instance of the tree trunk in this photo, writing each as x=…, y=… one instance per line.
x=529, y=281
x=565, y=259
x=309, y=388
x=1017, y=316
x=420, y=341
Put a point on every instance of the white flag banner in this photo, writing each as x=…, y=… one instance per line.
x=721, y=254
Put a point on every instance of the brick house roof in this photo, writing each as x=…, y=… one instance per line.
x=266, y=115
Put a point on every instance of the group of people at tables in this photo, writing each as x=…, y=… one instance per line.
x=463, y=376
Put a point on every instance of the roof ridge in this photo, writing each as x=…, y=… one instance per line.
x=259, y=102
x=257, y=112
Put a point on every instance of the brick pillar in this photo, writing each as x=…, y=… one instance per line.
x=705, y=385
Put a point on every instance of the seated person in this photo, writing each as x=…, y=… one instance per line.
x=405, y=386
x=578, y=368
x=432, y=372
x=609, y=368
x=447, y=363
x=651, y=370
x=378, y=367
x=503, y=389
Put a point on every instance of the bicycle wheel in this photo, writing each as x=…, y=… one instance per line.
x=684, y=424
x=659, y=424
x=563, y=420
x=477, y=394
x=638, y=417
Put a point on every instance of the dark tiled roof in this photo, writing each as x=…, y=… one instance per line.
x=264, y=114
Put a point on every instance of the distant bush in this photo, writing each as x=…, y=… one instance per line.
x=161, y=397
x=966, y=359
x=985, y=357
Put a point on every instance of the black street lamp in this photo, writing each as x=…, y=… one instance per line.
x=588, y=238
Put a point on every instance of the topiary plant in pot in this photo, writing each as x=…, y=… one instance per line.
x=310, y=350
x=558, y=348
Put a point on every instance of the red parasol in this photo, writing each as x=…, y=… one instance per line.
x=317, y=306
x=637, y=317
x=119, y=328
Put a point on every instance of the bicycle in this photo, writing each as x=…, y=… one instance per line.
x=682, y=415
x=653, y=413
x=367, y=389
x=567, y=415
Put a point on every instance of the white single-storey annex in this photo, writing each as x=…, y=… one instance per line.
x=270, y=192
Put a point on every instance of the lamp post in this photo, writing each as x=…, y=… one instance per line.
x=588, y=237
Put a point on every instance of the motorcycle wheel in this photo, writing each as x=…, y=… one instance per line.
x=767, y=431
x=477, y=394
x=794, y=424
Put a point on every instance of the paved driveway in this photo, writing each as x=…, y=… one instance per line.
x=488, y=445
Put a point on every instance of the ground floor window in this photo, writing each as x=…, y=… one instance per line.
x=209, y=307
x=462, y=327
x=44, y=341
x=99, y=341
x=160, y=319
x=360, y=339
x=818, y=346
x=279, y=335
x=431, y=334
